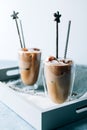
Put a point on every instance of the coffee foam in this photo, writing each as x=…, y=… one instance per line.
x=29, y=51
x=59, y=63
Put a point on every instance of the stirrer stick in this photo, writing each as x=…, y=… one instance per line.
x=67, y=39
x=22, y=34
x=14, y=15
x=57, y=19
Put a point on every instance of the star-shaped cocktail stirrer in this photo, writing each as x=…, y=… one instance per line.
x=57, y=19
x=14, y=16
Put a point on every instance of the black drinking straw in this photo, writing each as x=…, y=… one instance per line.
x=22, y=33
x=57, y=19
x=14, y=15
x=67, y=39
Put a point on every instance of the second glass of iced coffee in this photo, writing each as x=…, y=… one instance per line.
x=59, y=77
x=29, y=64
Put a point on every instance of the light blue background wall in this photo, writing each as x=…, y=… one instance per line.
x=39, y=27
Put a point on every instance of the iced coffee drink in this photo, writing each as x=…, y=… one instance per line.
x=29, y=64
x=59, y=75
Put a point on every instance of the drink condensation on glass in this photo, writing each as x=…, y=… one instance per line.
x=59, y=78
x=29, y=64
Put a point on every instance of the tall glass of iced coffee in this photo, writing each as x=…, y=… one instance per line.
x=29, y=64
x=59, y=76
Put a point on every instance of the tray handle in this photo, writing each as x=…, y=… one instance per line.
x=81, y=109
x=9, y=73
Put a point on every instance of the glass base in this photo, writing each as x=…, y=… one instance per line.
x=17, y=85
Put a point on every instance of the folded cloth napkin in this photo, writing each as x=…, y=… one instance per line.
x=84, y=95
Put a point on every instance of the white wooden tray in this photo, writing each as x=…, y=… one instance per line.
x=39, y=111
